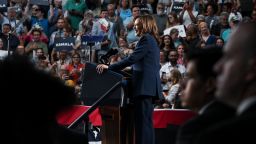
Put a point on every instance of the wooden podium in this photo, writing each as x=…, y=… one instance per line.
x=116, y=126
x=116, y=110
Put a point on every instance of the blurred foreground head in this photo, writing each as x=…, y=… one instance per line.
x=201, y=84
x=30, y=100
x=237, y=69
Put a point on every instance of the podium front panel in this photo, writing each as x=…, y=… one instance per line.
x=96, y=85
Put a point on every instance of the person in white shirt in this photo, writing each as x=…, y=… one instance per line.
x=188, y=14
x=169, y=66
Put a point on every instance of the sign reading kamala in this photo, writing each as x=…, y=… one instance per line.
x=64, y=44
x=3, y=5
x=40, y=2
x=181, y=29
x=177, y=6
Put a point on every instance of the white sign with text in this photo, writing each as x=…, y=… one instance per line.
x=181, y=29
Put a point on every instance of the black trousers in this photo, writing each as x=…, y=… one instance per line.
x=143, y=112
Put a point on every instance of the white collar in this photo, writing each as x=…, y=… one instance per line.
x=202, y=110
x=170, y=65
x=245, y=104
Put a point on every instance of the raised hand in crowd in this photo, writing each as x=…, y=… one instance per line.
x=33, y=46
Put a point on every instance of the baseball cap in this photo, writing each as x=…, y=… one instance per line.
x=235, y=17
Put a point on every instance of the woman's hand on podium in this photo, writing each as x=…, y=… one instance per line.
x=100, y=68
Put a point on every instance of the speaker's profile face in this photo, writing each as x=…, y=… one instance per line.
x=138, y=27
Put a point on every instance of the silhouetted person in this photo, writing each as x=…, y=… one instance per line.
x=30, y=101
x=199, y=95
x=236, y=86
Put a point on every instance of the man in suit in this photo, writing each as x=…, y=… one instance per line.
x=145, y=79
x=236, y=84
x=199, y=95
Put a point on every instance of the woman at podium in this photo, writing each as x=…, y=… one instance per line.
x=145, y=79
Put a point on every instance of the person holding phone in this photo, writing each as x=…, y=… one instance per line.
x=188, y=14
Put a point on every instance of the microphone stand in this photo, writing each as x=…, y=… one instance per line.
x=91, y=41
x=91, y=44
x=8, y=44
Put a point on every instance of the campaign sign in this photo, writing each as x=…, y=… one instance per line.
x=3, y=5
x=177, y=6
x=40, y=2
x=64, y=44
x=3, y=54
x=181, y=29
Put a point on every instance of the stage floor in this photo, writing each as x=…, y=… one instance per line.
x=166, y=122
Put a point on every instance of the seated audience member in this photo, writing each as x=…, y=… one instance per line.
x=58, y=33
x=20, y=50
x=175, y=77
x=181, y=50
x=163, y=57
x=199, y=95
x=75, y=10
x=173, y=20
x=35, y=44
x=39, y=55
x=8, y=39
x=177, y=101
x=188, y=14
x=75, y=67
x=233, y=23
x=67, y=33
x=129, y=24
x=62, y=60
x=41, y=60
x=223, y=24
x=30, y=106
x=172, y=63
x=29, y=37
x=40, y=21
x=211, y=19
x=124, y=51
x=161, y=18
x=236, y=87
x=192, y=38
x=166, y=43
x=177, y=40
x=124, y=48
x=206, y=35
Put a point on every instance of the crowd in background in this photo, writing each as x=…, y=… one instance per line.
x=31, y=29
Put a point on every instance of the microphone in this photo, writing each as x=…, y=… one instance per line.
x=8, y=35
x=8, y=44
x=104, y=59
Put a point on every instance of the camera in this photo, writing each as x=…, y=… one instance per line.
x=69, y=77
x=104, y=59
x=42, y=57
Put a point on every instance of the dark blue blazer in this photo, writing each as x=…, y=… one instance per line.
x=239, y=130
x=146, y=65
